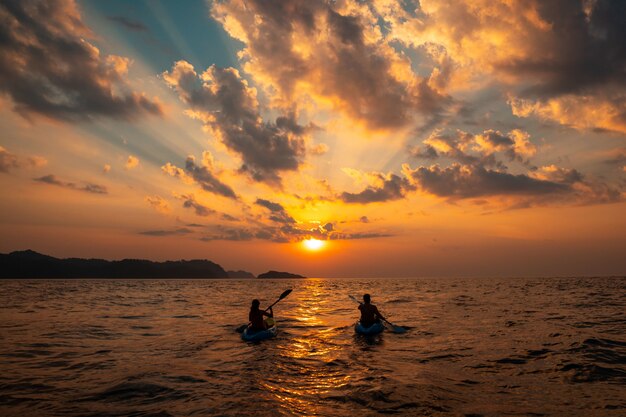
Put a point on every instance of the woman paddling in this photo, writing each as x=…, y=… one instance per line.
x=369, y=312
x=257, y=322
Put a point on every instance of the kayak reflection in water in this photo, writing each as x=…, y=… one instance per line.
x=256, y=316
x=369, y=312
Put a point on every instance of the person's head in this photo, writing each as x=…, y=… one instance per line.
x=255, y=304
x=366, y=298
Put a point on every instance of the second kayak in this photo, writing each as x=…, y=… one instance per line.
x=375, y=328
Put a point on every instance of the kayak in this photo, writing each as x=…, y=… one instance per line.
x=375, y=328
x=256, y=336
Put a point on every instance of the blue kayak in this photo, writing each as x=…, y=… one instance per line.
x=256, y=336
x=375, y=328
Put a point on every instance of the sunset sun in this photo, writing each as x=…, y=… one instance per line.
x=313, y=244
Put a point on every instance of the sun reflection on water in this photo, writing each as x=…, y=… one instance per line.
x=307, y=371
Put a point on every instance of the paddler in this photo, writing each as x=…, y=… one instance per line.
x=369, y=312
x=257, y=322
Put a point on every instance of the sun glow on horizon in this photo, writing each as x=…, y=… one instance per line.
x=313, y=244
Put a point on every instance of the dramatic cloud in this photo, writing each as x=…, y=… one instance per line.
x=334, y=52
x=202, y=175
x=9, y=161
x=48, y=67
x=86, y=186
x=468, y=181
x=560, y=60
x=230, y=110
x=159, y=204
x=481, y=149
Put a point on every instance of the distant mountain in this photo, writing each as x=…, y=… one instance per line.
x=30, y=264
x=240, y=274
x=278, y=274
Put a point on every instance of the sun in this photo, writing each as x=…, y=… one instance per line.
x=313, y=244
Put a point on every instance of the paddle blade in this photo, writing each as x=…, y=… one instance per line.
x=398, y=329
x=285, y=294
x=354, y=299
x=241, y=328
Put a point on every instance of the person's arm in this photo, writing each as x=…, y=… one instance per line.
x=270, y=314
x=380, y=316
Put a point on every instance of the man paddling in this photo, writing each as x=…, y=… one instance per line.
x=369, y=312
x=257, y=322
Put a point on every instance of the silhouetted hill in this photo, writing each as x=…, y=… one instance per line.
x=278, y=274
x=240, y=274
x=30, y=264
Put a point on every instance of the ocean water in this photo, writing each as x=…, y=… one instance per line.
x=475, y=347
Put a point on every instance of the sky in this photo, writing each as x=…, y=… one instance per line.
x=327, y=138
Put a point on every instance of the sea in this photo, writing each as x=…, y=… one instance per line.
x=159, y=348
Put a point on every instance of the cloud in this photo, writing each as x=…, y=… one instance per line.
x=189, y=201
x=129, y=24
x=333, y=52
x=278, y=212
x=202, y=175
x=106, y=169
x=469, y=181
x=230, y=110
x=174, y=232
x=132, y=162
x=159, y=204
x=560, y=60
x=10, y=161
x=391, y=187
x=477, y=149
x=87, y=187
x=285, y=234
x=319, y=149
x=48, y=67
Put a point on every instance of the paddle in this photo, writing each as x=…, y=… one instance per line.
x=394, y=328
x=285, y=293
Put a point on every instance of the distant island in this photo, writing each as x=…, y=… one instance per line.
x=31, y=264
x=278, y=274
x=240, y=274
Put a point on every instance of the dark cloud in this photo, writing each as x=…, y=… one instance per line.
x=392, y=187
x=202, y=175
x=129, y=24
x=86, y=186
x=467, y=181
x=278, y=212
x=229, y=108
x=345, y=61
x=584, y=48
x=207, y=180
x=47, y=67
x=175, y=232
x=364, y=219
